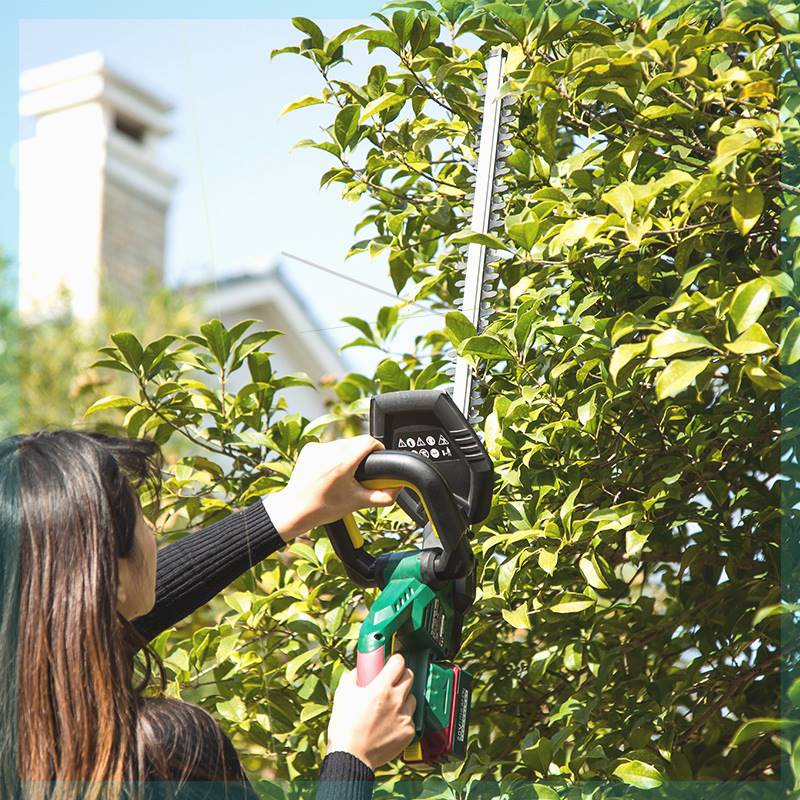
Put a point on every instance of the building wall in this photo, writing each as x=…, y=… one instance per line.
x=289, y=355
x=61, y=184
x=134, y=228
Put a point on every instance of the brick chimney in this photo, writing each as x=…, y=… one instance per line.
x=93, y=196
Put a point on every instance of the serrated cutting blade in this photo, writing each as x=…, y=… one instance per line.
x=478, y=277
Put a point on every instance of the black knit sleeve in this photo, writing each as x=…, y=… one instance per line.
x=199, y=566
x=188, y=574
x=344, y=777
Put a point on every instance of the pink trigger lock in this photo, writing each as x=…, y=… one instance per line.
x=368, y=666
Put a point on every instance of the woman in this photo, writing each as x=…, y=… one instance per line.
x=83, y=590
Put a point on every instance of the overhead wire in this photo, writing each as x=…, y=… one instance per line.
x=428, y=312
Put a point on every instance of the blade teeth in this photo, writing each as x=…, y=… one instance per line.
x=498, y=204
x=475, y=404
x=460, y=284
x=472, y=178
x=500, y=171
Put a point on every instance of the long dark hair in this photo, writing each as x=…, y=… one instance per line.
x=73, y=721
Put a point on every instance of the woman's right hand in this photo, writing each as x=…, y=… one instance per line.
x=322, y=487
x=374, y=722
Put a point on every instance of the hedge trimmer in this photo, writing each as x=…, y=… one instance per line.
x=434, y=453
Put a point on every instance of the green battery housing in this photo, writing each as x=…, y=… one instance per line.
x=412, y=618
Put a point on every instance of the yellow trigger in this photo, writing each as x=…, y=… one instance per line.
x=388, y=483
x=353, y=532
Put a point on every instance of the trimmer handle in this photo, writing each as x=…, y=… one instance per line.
x=391, y=468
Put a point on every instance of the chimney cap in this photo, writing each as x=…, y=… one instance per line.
x=86, y=78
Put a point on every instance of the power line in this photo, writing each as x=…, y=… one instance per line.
x=365, y=285
x=342, y=327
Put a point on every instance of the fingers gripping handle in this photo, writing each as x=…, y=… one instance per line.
x=390, y=468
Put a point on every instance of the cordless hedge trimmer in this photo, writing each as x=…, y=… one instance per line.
x=434, y=453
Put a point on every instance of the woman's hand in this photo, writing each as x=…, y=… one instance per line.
x=374, y=722
x=322, y=487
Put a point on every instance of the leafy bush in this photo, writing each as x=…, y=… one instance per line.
x=628, y=622
x=9, y=352
x=45, y=378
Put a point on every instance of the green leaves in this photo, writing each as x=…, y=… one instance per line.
x=311, y=28
x=623, y=355
x=345, y=128
x=733, y=145
x=219, y=342
x=758, y=727
x=753, y=341
x=679, y=375
x=303, y=102
x=523, y=228
x=746, y=208
x=112, y=401
x=639, y=262
x=470, y=237
x=673, y=341
x=639, y=774
x=591, y=571
x=749, y=301
x=571, y=603
x=130, y=349
x=382, y=103
x=790, y=345
x=485, y=347
x=459, y=327
x=518, y=618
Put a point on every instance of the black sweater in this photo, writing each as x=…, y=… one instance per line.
x=196, y=568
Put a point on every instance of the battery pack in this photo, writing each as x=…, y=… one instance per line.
x=448, y=699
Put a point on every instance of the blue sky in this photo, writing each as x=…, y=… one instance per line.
x=243, y=195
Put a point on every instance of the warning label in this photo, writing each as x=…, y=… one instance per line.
x=432, y=444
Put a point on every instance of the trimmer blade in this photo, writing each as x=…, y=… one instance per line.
x=478, y=286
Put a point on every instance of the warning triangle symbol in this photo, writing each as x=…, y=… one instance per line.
x=420, y=443
x=442, y=440
x=401, y=443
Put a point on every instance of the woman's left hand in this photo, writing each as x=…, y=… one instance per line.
x=322, y=487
